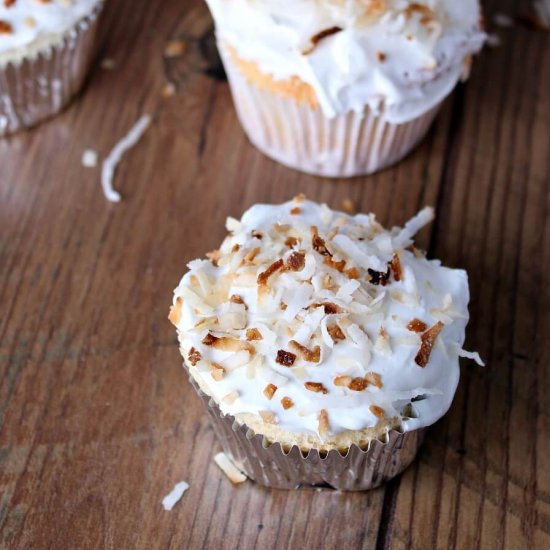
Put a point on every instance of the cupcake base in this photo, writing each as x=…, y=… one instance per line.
x=41, y=85
x=271, y=465
x=300, y=136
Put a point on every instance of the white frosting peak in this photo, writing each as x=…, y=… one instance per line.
x=328, y=312
x=399, y=57
x=29, y=21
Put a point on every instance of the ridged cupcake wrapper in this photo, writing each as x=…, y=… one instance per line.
x=302, y=138
x=41, y=85
x=270, y=465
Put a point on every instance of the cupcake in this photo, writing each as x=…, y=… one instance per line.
x=46, y=47
x=343, y=87
x=322, y=344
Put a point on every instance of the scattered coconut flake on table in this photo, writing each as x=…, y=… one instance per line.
x=89, y=158
x=110, y=163
x=229, y=469
x=474, y=355
x=108, y=64
x=173, y=497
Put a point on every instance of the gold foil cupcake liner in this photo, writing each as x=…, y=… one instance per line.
x=40, y=86
x=271, y=465
x=301, y=137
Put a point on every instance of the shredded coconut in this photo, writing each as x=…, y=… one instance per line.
x=229, y=469
x=89, y=158
x=414, y=225
x=110, y=163
x=174, y=496
x=474, y=355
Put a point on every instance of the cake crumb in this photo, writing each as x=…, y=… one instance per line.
x=228, y=467
x=174, y=496
x=348, y=206
x=89, y=158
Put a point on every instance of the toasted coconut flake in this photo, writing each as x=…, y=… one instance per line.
x=416, y=325
x=268, y=417
x=214, y=257
x=175, y=311
x=296, y=261
x=312, y=356
x=316, y=38
x=339, y=266
x=225, y=343
x=257, y=234
x=299, y=198
x=316, y=387
x=285, y=358
x=194, y=356
x=358, y=384
x=269, y=391
x=250, y=256
x=227, y=466
x=377, y=411
x=236, y=299
x=374, y=379
x=336, y=332
x=217, y=371
x=5, y=27
x=287, y=403
x=353, y=273
x=396, y=267
x=296, y=211
x=231, y=397
x=253, y=334
x=427, y=342
x=344, y=381
x=378, y=277
x=329, y=307
x=273, y=268
x=317, y=243
x=291, y=242
x=324, y=425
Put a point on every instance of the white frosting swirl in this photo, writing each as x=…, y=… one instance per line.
x=306, y=304
x=33, y=21
x=399, y=57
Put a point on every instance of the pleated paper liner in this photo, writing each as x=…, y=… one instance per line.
x=299, y=136
x=41, y=85
x=269, y=464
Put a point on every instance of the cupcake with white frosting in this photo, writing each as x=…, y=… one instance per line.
x=46, y=47
x=325, y=342
x=343, y=87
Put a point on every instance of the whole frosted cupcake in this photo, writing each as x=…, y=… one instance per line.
x=324, y=344
x=343, y=87
x=45, y=50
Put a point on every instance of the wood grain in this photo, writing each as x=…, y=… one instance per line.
x=97, y=421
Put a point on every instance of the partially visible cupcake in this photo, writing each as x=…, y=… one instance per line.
x=46, y=47
x=322, y=343
x=343, y=87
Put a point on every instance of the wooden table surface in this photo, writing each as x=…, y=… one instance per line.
x=98, y=421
